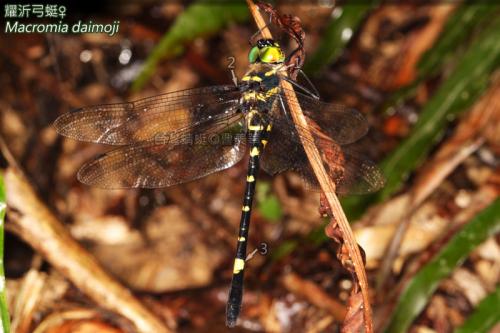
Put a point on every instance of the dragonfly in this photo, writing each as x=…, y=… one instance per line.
x=181, y=136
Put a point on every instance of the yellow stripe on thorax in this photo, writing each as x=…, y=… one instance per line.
x=271, y=72
x=250, y=95
x=251, y=78
x=272, y=91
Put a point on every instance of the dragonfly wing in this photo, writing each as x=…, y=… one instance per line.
x=344, y=125
x=150, y=165
x=147, y=119
x=351, y=173
x=283, y=151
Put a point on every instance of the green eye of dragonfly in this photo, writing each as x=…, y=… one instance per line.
x=253, y=55
x=271, y=54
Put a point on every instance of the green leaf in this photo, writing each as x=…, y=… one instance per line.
x=418, y=291
x=456, y=31
x=268, y=204
x=337, y=34
x=485, y=316
x=4, y=311
x=202, y=18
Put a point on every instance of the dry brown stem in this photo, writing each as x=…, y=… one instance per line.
x=27, y=300
x=38, y=226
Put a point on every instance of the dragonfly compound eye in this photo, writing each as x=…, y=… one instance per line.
x=253, y=55
x=271, y=55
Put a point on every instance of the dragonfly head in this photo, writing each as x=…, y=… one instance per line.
x=266, y=51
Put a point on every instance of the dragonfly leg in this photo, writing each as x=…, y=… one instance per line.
x=314, y=94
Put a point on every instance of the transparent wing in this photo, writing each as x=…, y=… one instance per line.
x=351, y=172
x=344, y=125
x=150, y=165
x=146, y=119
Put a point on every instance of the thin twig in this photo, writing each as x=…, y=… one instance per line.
x=315, y=295
x=27, y=300
x=37, y=225
x=324, y=180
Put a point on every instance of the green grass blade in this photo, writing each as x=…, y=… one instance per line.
x=455, y=32
x=202, y=18
x=485, y=316
x=450, y=45
x=424, y=283
x=337, y=35
x=462, y=87
x=4, y=311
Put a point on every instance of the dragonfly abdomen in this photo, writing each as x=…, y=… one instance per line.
x=257, y=132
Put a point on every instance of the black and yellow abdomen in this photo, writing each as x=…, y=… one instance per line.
x=258, y=97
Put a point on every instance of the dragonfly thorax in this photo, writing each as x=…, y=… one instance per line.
x=259, y=88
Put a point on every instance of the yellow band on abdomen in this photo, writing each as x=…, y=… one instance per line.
x=239, y=265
